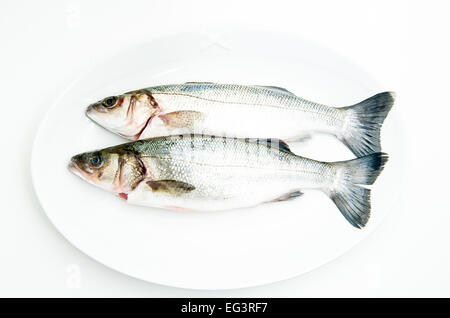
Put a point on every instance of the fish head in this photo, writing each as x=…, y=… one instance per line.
x=126, y=114
x=112, y=169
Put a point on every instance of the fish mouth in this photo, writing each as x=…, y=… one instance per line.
x=90, y=112
x=75, y=169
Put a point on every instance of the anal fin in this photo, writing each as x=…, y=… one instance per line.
x=288, y=196
x=271, y=142
x=300, y=138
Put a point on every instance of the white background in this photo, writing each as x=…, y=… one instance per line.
x=404, y=44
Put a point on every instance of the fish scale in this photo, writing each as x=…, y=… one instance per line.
x=241, y=172
x=240, y=94
x=206, y=173
x=246, y=111
x=240, y=111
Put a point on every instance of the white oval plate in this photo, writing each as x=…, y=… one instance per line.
x=216, y=250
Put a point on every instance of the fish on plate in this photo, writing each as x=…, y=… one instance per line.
x=240, y=111
x=205, y=173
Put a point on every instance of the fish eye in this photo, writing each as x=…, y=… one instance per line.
x=96, y=160
x=110, y=102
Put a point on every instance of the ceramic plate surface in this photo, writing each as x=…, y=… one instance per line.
x=216, y=250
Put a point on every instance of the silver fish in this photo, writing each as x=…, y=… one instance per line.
x=197, y=172
x=240, y=111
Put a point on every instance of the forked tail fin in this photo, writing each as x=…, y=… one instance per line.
x=364, y=120
x=353, y=200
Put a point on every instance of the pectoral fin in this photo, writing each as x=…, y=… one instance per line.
x=170, y=187
x=182, y=119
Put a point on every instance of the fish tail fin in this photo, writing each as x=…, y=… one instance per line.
x=364, y=121
x=353, y=200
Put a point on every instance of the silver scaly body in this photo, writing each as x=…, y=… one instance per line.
x=200, y=172
x=243, y=111
x=226, y=172
x=240, y=111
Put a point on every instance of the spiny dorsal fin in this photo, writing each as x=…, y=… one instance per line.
x=171, y=187
x=275, y=88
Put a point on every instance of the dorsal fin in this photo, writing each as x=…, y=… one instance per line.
x=276, y=88
x=199, y=83
x=271, y=142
